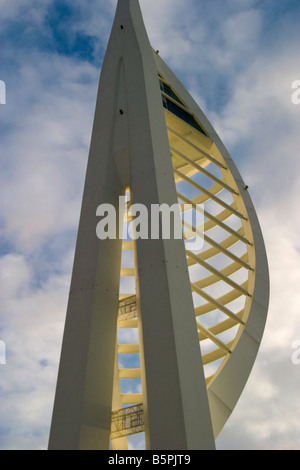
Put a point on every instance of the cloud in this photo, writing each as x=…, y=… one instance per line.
x=267, y=415
x=42, y=177
x=31, y=327
x=260, y=125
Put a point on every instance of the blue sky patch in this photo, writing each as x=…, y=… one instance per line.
x=67, y=40
x=60, y=33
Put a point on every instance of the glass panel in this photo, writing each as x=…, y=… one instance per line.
x=186, y=117
x=166, y=89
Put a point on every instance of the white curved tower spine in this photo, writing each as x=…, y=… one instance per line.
x=150, y=138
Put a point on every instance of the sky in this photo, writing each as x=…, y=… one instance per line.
x=238, y=59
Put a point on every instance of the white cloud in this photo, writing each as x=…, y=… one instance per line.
x=45, y=158
x=27, y=9
x=261, y=123
x=31, y=327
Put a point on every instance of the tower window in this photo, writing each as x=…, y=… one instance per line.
x=166, y=89
x=179, y=112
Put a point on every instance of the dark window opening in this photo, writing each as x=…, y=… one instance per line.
x=168, y=90
x=179, y=112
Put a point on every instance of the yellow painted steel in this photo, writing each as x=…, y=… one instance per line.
x=228, y=247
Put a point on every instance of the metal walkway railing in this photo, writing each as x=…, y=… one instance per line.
x=127, y=308
x=127, y=421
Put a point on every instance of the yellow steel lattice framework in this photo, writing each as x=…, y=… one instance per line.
x=127, y=421
x=222, y=274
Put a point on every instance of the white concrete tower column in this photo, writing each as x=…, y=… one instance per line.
x=129, y=148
